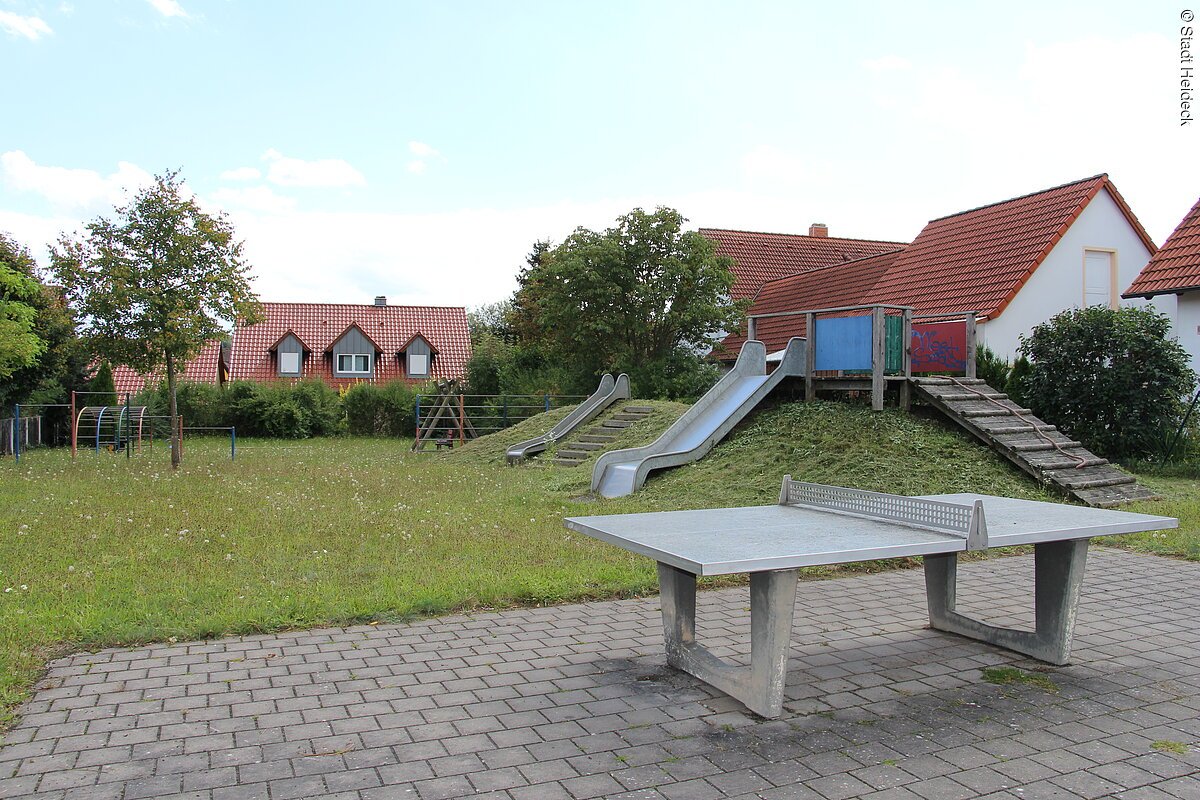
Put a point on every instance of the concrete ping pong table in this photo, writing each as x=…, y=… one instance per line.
x=815, y=525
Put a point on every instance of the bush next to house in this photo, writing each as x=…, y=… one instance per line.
x=1113, y=378
x=387, y=410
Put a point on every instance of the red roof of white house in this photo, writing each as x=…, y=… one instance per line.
x=975, y=260
x=204, y=368
x=319, y=325
x=1176, y=265
x=761, y=257
x=978, y=260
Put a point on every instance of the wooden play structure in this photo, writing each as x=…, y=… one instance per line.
x=447, y=421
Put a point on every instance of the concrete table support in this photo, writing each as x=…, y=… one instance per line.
x=1058, y=577
x=772, y=608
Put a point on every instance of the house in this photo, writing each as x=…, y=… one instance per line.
x=761, y=257
x=1175, y=272
x=1015, y=264
x=210, y=365
x=343, y=343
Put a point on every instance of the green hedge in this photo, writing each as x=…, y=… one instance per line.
x=292, y=410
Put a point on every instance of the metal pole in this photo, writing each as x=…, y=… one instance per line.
x=74, y=426
x=233, y=444
x=547, y=402
x=16, y=434
x=504, y=400
x=462, y=434
x=128, y=428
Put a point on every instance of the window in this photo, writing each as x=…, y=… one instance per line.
x=1099, y=278
x=354, y=362
x=418, y=364
x=289, y=363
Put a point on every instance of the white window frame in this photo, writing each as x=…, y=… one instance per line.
x=299, y=363
x=423, y=373
x=353, y=360
x=1113, y=292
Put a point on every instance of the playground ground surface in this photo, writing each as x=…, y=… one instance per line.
x=109, y=552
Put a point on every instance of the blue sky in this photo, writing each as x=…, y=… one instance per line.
x=417, y=150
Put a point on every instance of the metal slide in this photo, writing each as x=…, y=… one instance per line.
x=621, y=472
x=608, y=392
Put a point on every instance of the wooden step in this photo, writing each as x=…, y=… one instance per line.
x=989, y=410
x=1024, y=443
x=598, y=438
x=568, y=462
x=959, y=396
x=1110, y=496
x=1054, y=460
x=1089, y=478
x=949, y=381
x=999, y=426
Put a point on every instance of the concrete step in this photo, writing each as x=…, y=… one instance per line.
x=575, y=454
x=615, y=423
x=582, y=446
x=627, y=417
x=568, y=462
x=598, y=438
x=638, y=410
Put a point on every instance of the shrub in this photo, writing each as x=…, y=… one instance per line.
x=993, y=369
x=387, y=410
x=1111, y=378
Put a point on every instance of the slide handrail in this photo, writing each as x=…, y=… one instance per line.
x=609, y=391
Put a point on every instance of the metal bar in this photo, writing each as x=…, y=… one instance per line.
x=128, y=429
x=878, y=357
x=74, y=426
x=233, y=444
x=16, y=433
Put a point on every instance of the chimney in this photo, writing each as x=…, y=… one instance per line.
x=381, y=300
x=819, y=229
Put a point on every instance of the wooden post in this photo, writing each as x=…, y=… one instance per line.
x=74, y=428
x=462, y=436
x=971, y=345
x=906, y=335
x=810, y=357
x=878, y=356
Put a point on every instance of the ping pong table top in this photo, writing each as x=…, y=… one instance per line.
x=731, y=540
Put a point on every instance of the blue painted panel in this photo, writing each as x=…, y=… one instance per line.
x=843, y=343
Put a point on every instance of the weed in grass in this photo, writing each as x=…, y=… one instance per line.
x=1168, y=746
x=1003, y=676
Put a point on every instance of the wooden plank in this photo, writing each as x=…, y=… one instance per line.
x=878, y=356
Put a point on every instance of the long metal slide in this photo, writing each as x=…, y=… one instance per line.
x=608, y=392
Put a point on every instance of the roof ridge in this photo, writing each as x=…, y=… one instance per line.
x=805, y=236
x=350, y=305
x=839, y=265
x=1103, y=175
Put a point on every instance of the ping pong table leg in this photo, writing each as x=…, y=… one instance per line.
x=772, y=609
x=1058, y=578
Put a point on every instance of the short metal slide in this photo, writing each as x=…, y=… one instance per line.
x=609, y=391
x=621, y=472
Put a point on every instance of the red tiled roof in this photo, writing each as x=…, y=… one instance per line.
x=204, y=368
x=829, y=287
x=1176, y=266
x=978, y=260
x=320, y=325
x=762, y=257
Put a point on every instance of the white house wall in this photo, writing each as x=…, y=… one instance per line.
x=1057, y=284
x=1188, y=325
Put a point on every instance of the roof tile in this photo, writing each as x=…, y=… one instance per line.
x=1176, y=266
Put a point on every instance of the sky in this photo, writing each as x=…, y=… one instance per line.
x=417, y=150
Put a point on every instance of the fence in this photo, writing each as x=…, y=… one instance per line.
x=17, y=436
x=880, y=340
x=466, y=416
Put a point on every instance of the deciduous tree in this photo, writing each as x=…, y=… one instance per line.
x=156, y=282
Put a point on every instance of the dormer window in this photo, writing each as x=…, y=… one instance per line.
x=417, y=356
x=355, y=363
x=289, y=363
x=289, y=355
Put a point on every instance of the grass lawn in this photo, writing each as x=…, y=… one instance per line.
x=105, y=550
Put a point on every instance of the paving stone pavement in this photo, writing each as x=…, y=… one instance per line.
x=574, y=702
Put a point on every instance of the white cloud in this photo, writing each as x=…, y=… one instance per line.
x=168, y=8
x=241, y=174
x=71, y=188
x=421, y=150
x=773, y=164
x=328, y=172
x=889, y=63
x=32, y=28
x=417, y=167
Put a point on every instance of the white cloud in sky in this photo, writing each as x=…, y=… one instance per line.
x=253, y=198
x=168, y=8
x=327, y=172
x=424, y=154
x=889, y=63
x=241, y=174
x=31, y=28
x=71, y=188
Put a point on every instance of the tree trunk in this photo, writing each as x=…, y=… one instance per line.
x=175, y=452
